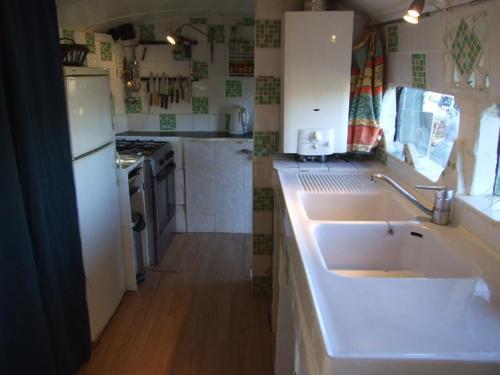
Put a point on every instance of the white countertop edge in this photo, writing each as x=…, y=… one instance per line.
x=319, y=301
x=180, y=139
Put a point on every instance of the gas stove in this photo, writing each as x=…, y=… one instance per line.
x=156, y=152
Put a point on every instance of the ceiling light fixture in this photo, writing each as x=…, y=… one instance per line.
x=414, y=11
x=173, y=38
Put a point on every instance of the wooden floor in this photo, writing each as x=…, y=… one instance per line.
x=195, y=314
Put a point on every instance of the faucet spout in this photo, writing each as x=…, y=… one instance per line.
x=403, y=192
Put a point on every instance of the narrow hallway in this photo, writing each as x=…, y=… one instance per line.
x=194, y=314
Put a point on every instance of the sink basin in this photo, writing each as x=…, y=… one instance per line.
x=376, y=206
x=369, y=250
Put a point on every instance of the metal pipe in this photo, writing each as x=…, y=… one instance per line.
x=403, y=192
x=428, y=14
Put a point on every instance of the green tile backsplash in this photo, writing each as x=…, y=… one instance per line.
x=418, y=70
x=262, y=199
x=106, y=54
x=133, y=104
x=267, y=90
x=262, y=244
x=200, y=69
x=265, y=143
x=233, y=88
x=70, y=34
x=217, y=32
x=262, y=285
x=227, y=122
x=167, y=122
x=200, y=105
x=90, y=42
x=268, y=34
x=146, y=33
x=392, y=38
x=198, y=20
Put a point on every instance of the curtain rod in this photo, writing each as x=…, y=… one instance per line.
x=428, y=14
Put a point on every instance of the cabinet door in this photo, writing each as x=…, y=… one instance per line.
x=317, y=48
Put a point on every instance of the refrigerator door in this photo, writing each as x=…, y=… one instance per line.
x=89, y=112
x=99, y=220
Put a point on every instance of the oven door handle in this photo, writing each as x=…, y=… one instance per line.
x=165, y=172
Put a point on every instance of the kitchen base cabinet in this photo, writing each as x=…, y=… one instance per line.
x=296, y=331
x=218, y=185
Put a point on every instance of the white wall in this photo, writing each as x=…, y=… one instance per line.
x=428, y=38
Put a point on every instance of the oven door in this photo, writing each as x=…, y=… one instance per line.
x=164, y=188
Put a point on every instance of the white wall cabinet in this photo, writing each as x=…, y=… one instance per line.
x=317, y=48
x=218, y=186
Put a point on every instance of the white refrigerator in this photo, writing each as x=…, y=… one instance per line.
x=96, y=182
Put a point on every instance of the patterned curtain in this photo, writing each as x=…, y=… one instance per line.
x=366, y=94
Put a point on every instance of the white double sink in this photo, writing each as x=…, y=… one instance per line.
x=385, y=241
x=389, y=288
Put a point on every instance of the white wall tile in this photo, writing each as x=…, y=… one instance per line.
x=268, y=62
x=151, y=122
x=228, y=179
x=198, y=153
x=200, y=222
x=135, y=122
x=184, y=122
x=267, y=118
x=201, y=122
x=180, y=218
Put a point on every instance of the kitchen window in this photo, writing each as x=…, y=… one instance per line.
x=424, y=128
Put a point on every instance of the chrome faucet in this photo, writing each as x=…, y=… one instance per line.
x=440, y=213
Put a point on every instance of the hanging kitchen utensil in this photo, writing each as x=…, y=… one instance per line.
x=151, y=88
x=177, y=82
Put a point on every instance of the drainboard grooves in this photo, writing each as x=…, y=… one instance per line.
x=336, y=183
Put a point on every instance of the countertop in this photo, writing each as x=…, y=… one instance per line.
x=423, y=322
x=195, y=135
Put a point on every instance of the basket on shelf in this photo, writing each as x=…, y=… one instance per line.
x=73, y=54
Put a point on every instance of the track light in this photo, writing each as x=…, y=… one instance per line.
x=414, y=11
x=171, y=39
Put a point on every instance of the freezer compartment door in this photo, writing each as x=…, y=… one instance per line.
x=99, y=220
x=89, y=112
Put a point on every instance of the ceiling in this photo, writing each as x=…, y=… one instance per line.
x=99, y=14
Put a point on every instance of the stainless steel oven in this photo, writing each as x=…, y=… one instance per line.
x=159, y=189
x=159, y=185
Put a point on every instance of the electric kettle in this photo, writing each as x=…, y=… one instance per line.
x=239, y=120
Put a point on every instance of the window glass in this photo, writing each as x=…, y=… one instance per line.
x=427, y=123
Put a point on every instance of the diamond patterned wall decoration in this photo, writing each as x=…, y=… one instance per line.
x=133, y=104
x=146, y=33
x=418, y=70
x=466, y=49
x=233, y=88
x=106, y=54
x=392, y=38
x=90, y=42
x=268, y=33
x=200, y=105
x=167, y=122
x=267, y=90
x=200, y=70
x=265, y=143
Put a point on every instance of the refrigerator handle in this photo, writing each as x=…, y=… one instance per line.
x=111, y=104
x=117, y=168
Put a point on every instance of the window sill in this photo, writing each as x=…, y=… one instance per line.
x=487, y=205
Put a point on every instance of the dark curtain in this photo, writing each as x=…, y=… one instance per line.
x=44, y=326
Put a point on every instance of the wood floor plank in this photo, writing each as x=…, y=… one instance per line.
x=194, y=314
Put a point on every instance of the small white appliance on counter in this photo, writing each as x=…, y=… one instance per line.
x=239, y=120
x=316, y=76
x=96, y=183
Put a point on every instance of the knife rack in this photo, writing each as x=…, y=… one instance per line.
x=167, y=91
